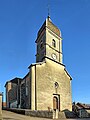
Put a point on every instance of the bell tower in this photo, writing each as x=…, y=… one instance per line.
x=49, y=42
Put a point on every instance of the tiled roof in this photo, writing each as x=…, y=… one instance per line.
x=48, y=23
x=84, y=106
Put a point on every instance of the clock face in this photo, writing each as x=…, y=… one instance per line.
x=54, y=56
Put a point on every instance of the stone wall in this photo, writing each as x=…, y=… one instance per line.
x=43, y=86
x=25, y=92
x=13, y=92
x=46, y=76
x=38, y=113
x=23, y=95
x=28, y=91
x=0, y=106
x=8, y=88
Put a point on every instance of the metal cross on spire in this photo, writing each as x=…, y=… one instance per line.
x=49, y=10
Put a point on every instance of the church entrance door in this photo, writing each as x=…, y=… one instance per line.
x=56, y=105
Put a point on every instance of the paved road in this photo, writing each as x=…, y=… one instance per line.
x=7, y=115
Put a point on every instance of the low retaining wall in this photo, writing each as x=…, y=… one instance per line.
x=16, y=110
x=44, y=113
x=32, y=113
x=38, y=113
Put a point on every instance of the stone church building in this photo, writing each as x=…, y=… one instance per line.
x=47, y=85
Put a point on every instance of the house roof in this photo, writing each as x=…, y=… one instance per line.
x=26, y=75
x=15, y=80
x=82, y=106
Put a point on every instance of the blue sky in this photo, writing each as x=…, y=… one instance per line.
x=20, y=21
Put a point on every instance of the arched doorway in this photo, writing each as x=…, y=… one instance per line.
x=55, y=103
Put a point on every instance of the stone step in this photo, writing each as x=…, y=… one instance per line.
x=67, y=114
x=61, y=115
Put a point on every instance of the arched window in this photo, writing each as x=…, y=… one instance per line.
x=41, y=45
x=26, y=90
x=53, y=43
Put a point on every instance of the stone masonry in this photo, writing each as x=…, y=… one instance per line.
x=0, y=106
x=43, y=89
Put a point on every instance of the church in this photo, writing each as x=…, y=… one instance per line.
x=47, y=85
